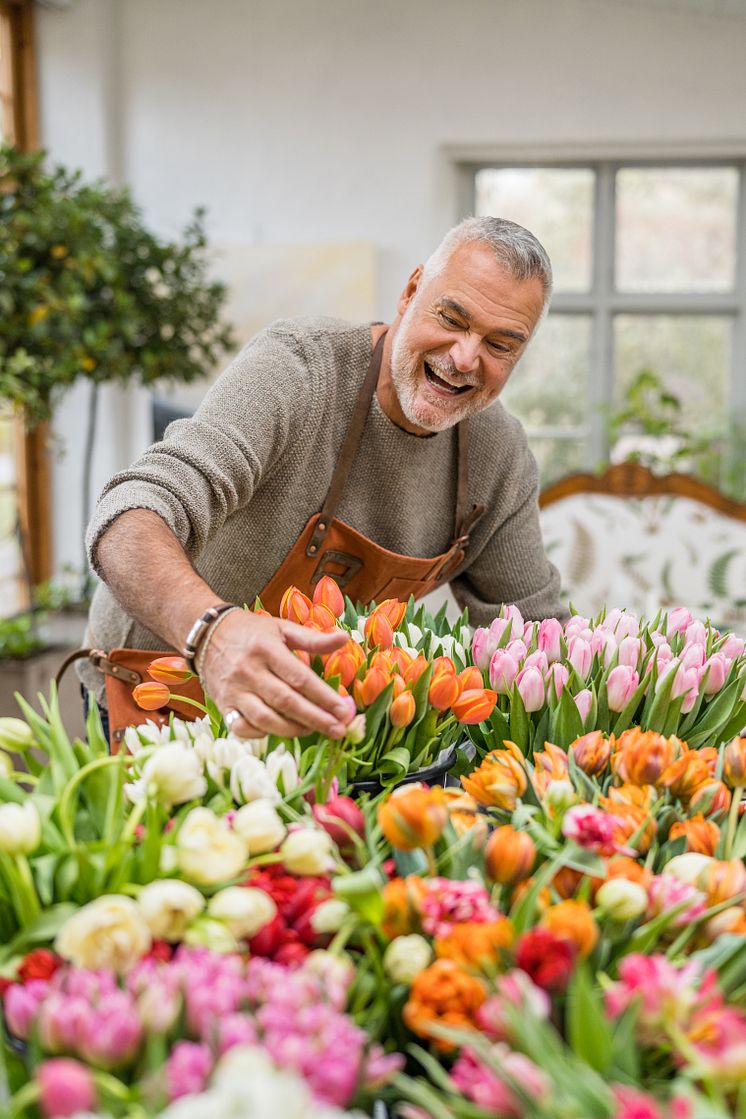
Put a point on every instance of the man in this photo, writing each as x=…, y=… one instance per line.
x=358, y=433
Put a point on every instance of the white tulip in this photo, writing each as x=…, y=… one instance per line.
x=109, y=932
x=250, y=781
x=20, y=828
x=6, y=766
x=307, y=851
x=169, y=906
x=282, y=769
x=173, y=775
x=329, y=916
x=621, y=899
x=406, y=957
x=687, y=867
x=260, y=826
x=15, y=735
x=207, y=850
x=243, y=909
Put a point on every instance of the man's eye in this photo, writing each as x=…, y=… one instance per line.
x=449, y=321
x=499, y=347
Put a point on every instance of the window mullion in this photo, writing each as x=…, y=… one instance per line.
x=737, y=387
x=602, y=357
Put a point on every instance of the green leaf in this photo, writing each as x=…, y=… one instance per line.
x=588, y=1029
x=519, y=721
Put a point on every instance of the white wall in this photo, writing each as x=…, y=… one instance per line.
x=331, y=120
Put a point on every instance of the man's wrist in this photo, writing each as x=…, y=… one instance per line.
x=200, y=629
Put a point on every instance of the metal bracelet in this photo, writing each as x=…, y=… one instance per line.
x=199, y=656
x=197, y=633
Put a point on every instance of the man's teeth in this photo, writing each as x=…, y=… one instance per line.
x=440, y=383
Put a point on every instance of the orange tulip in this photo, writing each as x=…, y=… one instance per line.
x=566, y=882
x=722, y=880
x=399, y=685
x=592, y=752
x=378, y=631
x=414, y=670
x=321, y=618
x=150, y=695
x=471, y=679
x=711, y=757
x=734, y=763
x=327, y=593
x=630, y=819
x=413, y=816
x=572, y=920
x=443, y=665
x=711, y=798
x=367, y=690
x=295, y=606
x=474, y=706
x=622, y=866
x=402, y=899
x=465, y=816
x=476, y=945
x=684, y=776
x=509, y=855
x=550, y=764
x=498, y=781
x=444, y=691
x=400, y=658
x=641, y=756
x=345, y=663
x=392, y=610
x=402, y=709
x=701, y=835
x=170, y=670
x=446, y=994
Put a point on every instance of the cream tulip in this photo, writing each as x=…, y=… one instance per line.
x=169, y=906
x=307, y=851
x=20, y=828
x=260, y=826
x=109, y=932
x=243, y=909
x=207, y=850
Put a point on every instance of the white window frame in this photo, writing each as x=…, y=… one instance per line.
x=603, y=302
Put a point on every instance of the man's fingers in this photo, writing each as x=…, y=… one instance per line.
x=259, y=719
x=304, y=681
x=294, y=705
x=313, y=641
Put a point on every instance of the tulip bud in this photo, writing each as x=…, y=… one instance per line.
x=580, y=656
x=584, y=702
x=413, y=816
x=406, y=957
x=243, y=909
x=367, y=690
x=470, y=679
x=550, y=637
x=734, y=763
x=591, y=752
x=378, y=631
x=503, y=670
x=329, y=917
x=557, y=678
x=621, y=899
x=712, y=798
x=722, y=880
x=620, y=686
x=259, y=826
x=475, y=706
x=678, y=619
x=15, y=735
x=307, y=851
x=530, y=684
x=340, y=818
x=714, y=672
x=295, y=606
x=559, y=795
x=327, y=593
x=414, y=670
x=20, y=828
x=321, y=617
x=444, y=691
x=392, y=610
x=402, y=709
x=509, y=855
x=66, y=1087
x=150, y=695
x=482, y=648
x=344, y=663
x=170, y=670
x=629, y=651
x=356, y=731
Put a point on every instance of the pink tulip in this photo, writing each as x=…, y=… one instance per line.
x=497, y=629
x=678, y=619
x=580, y=656
x=528, y=632
x=114, y=1033
x=65, y=1088
x=716, y=670
x=696, y=634
x=517, y=650
x=604, y=643
x=482, y=648
x=530, y=684
x=685, y=682
x=514, y=616
x=732, y=647
x=622, y=624
x=583, y=702
x=550, y=634
x=629, y=651
x=21, y=1005
x=556, y=678
x=502, y=672
x=620, y=686
x=693, y=656
x=578, y=626
x=187, y=1068
x=64, y=1022
x=537, y=660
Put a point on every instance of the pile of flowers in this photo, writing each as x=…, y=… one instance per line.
x=201, y=924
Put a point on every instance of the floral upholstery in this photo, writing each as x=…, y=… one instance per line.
x=647, y=552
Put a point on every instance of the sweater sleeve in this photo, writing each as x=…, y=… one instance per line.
x=513, y=567
x=210, y=465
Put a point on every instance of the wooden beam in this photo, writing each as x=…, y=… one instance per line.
x=34, y=512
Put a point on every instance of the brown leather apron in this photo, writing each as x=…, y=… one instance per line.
x=363, y=569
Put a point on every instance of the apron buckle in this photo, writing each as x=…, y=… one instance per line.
x=339, y=565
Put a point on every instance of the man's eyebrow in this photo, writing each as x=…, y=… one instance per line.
x=452, y=305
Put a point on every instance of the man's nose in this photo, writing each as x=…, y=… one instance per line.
x=465, y=353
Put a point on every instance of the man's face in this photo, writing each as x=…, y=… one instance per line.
x=457, y=338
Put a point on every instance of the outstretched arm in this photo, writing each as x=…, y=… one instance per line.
x=249, y=664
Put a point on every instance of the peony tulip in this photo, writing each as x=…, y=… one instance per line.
x=341, y=818
x=498, y=781
x=307, y=851
x=530, y=684
x=169, y=906
x=413, y=816
x=620, y=686
x=591, y=752
x=258, y=824
x=243, y=909
x=406, y=957
x=108, y=932
x=327, y=593
x=474, y=706
x=173, y=775
x=734, y=763
x=572, y=921
x=208, y=851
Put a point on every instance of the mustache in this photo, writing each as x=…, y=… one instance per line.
x=446, y=368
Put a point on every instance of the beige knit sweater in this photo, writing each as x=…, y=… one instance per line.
x=238, y=481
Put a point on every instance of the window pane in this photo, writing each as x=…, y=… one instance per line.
x=554, y=203
x=557, y=457
x=12, y=596
x=676, y=228
x=549, y=387
x=690, y=354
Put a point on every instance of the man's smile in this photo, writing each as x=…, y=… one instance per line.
x=440, y=385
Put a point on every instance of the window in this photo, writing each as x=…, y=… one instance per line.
x=650, y=274
x=24, y=536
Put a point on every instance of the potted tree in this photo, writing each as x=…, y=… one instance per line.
x=88, y=292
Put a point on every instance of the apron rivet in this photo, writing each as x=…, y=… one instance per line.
x=312, y=548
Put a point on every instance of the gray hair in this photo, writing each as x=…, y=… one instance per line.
x=514, y=247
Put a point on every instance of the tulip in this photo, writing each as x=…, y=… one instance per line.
x=696, y=634
x=678, y=619
x=514, y=616
x=151, y=695
x=693, y=656
x=474, y=706
x=320, y=617
x=307, y=851
x=701, y=835
x=378, y=631
x=498, y=781
x=498, y=628
x=65, y=1088
x=482, y=648
x=722, y=880
x=392, y=610
x=406, y=957
x=470, y=679
x=714, y=672
x=502, y=672
x=344, y=663
x=622, y=624
x=584, y=702
x=591, y=752
x=444, y=691
x=20, y=828
x=282, y=768
x=578, y=626
x=688, y=867
x=620, y=686
x=208, y=850
x=641, y=756
x=170, y=670
x=712, y=798
x=413, y=816
x=580, y=656
x=734, y=763
x=550, y=639
x=340, y=818
x=259, y=825
x=559, y=795
x=243, y=909
x=367, y=690
x=604, y=643
x=530, y=684
x=509, y=855
x=295, y=606
x=169, y=906
x=15, y=735
x=173, y=775
x=329, y=917
x=402, y=709
x=413, y=671
x=327, y=593
x=629, y=651
x=572, y=921
x=731, y=647
x=621, y=899
x=557, y=678
x=537, y=660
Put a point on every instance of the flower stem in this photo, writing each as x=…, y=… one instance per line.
x=733, y=819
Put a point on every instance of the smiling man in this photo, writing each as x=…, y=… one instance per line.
x=376, y=454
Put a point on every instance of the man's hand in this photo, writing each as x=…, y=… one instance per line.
x=249, y=666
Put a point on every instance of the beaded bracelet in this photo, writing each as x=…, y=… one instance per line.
x=199, y=658
x=197, y=633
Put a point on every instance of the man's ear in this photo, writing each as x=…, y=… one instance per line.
x=408, y=294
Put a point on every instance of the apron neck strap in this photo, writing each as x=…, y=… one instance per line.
x=466, y=516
